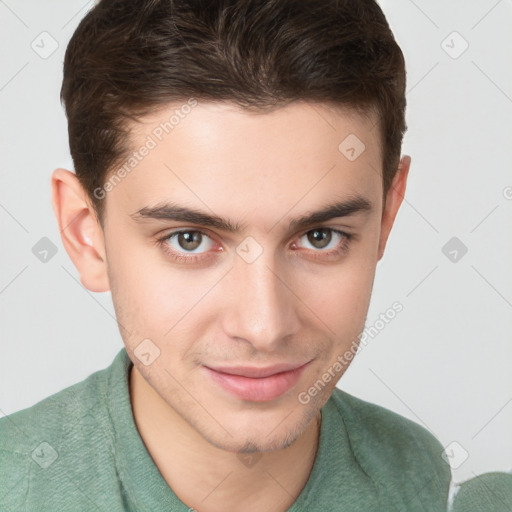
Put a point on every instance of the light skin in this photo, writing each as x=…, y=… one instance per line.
x=297, y=301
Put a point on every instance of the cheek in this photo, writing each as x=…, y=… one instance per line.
x=341, y=312
x=155, y=299
x=143, y=301
x=340, y=295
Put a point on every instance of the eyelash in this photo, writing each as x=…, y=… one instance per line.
x=342, y=248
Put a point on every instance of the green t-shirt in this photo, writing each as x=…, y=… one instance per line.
x=488, y=492
x=80, y=450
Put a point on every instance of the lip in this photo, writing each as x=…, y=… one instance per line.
x=257, y=384
x=255, y=372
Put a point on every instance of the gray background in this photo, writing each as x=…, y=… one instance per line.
x=445, y=361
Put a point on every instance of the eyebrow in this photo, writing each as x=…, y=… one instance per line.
x=172, y=211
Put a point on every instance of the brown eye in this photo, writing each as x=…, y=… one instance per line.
x=189, y=240
x=320, y=238
x=188, y=243
x=325, y=242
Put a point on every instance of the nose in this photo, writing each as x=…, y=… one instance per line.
x=262, y=309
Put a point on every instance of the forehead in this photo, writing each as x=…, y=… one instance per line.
x=219, y=156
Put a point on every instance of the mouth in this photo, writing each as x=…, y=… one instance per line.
x=257, y=384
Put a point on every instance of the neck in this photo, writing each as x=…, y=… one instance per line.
x=210, y=479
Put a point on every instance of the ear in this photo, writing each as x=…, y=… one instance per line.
x=80, y=230
x=394, y=199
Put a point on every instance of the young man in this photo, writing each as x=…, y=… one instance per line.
x=238, y=173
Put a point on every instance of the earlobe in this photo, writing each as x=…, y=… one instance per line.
x=80, y=230
x=394, y=199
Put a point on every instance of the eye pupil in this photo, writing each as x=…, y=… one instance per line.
x=320, y=235
x=189, y=240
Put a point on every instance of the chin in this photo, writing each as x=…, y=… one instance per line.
x=262, y=436
x=251, y=444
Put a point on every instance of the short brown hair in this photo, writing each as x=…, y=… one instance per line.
x=127, y=59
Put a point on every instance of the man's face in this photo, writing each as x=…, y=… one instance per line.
x=268, y=294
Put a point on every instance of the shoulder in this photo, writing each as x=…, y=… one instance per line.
x=394, y=451
x=19, y=430
x=373, y=423
x=43, y=445
x=485, y=492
